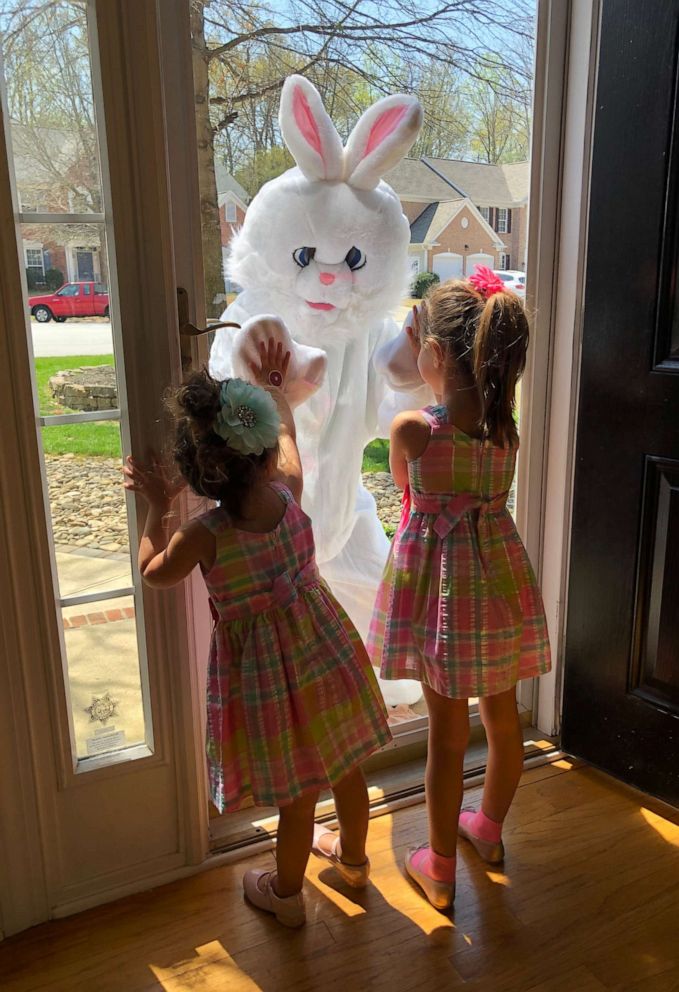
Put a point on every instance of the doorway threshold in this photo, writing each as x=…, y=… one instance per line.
x=390, y=787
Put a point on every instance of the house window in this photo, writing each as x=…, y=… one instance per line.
x=414, y=265
x=501, y=222
x=485, y=213
x=27, y=204
x=230, y=212
x=34, y=260
x=505, y=261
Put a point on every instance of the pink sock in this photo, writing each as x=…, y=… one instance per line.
x=434, y=865
x=481, y=826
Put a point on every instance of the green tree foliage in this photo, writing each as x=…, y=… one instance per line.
x=423, y=282
x=266, y=164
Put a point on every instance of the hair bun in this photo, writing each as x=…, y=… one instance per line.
x=198, y=397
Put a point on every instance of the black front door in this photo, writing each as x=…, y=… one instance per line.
x=621, y=688
x=85, y=265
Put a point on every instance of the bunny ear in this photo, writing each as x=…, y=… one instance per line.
x=308, y=131
x=380, y=140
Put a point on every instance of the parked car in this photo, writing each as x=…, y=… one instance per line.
x=74, y=299
x=515, y=280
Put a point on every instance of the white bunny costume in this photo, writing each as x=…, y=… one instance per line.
x=324, y=247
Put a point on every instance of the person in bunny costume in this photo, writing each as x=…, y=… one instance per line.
x=323, y=257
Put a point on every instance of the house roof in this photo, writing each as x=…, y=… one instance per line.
x=485, y=185
x=436, y=217
x=227, y=184
x=420, y=227
x=412, y=180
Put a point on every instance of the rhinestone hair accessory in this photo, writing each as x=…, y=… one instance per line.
x=248, y=419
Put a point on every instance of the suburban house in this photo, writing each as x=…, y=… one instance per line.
x=55, y=173
x=233, y=202
x=463, y=213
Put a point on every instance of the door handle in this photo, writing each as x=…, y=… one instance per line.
x=189, y=330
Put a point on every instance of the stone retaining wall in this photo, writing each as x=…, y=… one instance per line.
x=92, y=387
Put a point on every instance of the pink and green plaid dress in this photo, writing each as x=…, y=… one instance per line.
x=458, y=607
x=292, y=701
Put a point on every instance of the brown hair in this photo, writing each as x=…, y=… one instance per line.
x=488, y=339
x=205, y=460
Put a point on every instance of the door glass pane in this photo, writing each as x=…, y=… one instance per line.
x=78, y=371
x=475, y=87
x=52, y=117
x=103, y=676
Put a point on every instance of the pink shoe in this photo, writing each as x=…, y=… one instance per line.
x=439, y=892
x=354, y=875
x=259, y=891
x=492, y=851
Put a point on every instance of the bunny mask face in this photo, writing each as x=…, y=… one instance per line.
x=327, y=241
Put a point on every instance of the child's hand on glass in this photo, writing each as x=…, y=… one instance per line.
x=413, y=331
x=152, y=482
x=272, y=368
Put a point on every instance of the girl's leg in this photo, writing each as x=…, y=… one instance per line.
x=351, y=803
x=500, y=717
x=293, y=844
x=448, y=738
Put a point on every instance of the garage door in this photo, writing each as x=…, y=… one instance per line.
x=480, y=258
x=448, y=265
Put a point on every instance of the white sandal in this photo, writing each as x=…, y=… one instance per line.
x=354, y=875
x=259, y=891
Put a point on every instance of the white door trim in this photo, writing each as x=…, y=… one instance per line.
x=562, y=134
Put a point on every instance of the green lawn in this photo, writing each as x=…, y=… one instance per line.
x=376, y=456
x=100, y=439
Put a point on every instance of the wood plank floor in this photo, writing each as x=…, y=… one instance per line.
x=588, y=900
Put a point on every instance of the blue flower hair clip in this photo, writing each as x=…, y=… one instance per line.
x=248, y=419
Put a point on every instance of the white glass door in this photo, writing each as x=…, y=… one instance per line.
x=119, y=804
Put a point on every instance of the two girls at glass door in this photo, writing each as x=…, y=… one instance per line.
x=459, y=608
x=293, y=703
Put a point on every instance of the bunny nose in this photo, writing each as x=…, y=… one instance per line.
x=327, y=278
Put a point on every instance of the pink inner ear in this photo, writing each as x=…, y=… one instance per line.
x=385, y=124
x=305, y=121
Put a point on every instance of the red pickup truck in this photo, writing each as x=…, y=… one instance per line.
x=74, y=299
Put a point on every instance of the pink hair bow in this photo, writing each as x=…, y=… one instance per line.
x=486, y=282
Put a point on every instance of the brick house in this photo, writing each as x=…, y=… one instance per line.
x=55, y=175
x=233, y=204
x=463, y=213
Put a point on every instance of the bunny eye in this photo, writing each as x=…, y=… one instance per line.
x=303, y=256
x=355, y=259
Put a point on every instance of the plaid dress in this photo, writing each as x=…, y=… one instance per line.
x=458, y=607
x=292, y=701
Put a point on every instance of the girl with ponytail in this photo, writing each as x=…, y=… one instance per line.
x=459, y=608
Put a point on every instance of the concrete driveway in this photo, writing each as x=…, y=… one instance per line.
x=73, y=337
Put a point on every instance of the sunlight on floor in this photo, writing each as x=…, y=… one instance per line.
x=343, y=902
x=668, y=831
x=212, y=969
x=499, y=878
x=539, y=745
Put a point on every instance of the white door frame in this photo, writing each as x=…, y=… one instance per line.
x=71, y=838
x=568, y=37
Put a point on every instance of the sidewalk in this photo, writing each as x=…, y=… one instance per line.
x=101, y=651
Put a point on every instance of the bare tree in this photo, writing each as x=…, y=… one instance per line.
x=49, y=97
x=243, y=51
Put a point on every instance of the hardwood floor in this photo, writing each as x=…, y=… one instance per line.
x=588, y=900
